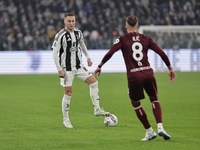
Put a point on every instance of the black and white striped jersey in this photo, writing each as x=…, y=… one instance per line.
x=67, y=47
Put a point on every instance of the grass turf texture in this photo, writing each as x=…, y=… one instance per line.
x=31, y=117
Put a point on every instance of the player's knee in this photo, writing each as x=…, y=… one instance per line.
x=68, y=93
x=135, y=104
x=90, y=80
x=153, y=98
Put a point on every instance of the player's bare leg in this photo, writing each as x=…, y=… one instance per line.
x=141, y=114
x=94, y=94
x=65, y=106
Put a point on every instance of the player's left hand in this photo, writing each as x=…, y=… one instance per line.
x=89, y=61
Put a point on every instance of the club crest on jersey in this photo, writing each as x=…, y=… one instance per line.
x=116, y=41
x=54, y=44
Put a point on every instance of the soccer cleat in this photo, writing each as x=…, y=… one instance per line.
x=67, y=124
x=164, y=134
x=101, y=112
x=149, y=136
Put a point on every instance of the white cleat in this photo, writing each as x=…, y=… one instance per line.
x=149, y=136
x=67, y=124
x=164, y=134
x=101, y=112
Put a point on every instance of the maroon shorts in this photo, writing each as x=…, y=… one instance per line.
x=138, y=85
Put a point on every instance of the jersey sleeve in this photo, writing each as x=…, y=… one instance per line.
x=56, y=47
x=56, y=44
x=116, y=46
x=159, y=51
x=83, y=46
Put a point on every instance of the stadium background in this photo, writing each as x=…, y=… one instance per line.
x=32, y=24
x=30, y=105
x=28, y=27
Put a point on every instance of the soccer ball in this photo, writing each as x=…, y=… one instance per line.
x=110, y=120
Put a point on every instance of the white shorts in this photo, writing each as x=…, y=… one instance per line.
x=82, y=73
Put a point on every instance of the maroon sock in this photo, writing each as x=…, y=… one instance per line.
x=142, y=116
x=157, y=111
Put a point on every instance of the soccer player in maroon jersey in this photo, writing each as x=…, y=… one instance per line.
x=134, y=47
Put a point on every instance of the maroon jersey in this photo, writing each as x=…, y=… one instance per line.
x=134, y=47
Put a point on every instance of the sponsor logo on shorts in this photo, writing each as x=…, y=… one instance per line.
x=85, y=69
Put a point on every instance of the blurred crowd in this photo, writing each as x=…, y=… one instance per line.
x=176, y=41
x=32, y=24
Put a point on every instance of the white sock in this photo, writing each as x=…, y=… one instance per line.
x=65, y=106
x=160, y=126
x=150, y=130
x=94, y=94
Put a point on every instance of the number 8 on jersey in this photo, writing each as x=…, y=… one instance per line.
x=137, y=52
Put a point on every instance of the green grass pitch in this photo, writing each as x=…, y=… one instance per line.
x=31, y=117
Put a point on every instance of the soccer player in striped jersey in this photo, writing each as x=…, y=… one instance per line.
x=67, y=47
x=134, y=47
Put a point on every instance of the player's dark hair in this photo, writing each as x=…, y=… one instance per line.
x=132, y=20
x=69, y=14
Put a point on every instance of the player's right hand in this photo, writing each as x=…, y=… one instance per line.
x=97, y=72
x=61, y=74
